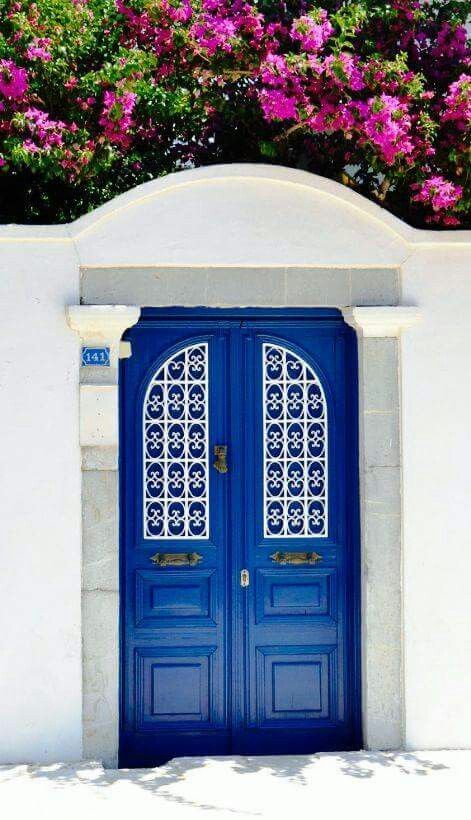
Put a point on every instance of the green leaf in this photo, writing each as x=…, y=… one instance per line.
x=268, y=149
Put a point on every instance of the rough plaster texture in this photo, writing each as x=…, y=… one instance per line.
x=288, y=225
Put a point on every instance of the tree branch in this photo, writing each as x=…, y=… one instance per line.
x=286, y=134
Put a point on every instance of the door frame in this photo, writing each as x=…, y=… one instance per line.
x=378, y=329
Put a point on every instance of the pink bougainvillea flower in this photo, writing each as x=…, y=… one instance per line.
x=379, y=93
x=47, y=132
x=387, y=125
x=458, y=102
x=38, y=49
x=438, y=192
x=344, y=70
x=276, y=105
x=449, y=220
x=13, y=80
x=116, y=117
x=31, y=146
x=332, y=117
x=179, y=14
x=274, y=70
x=221, y=23
x=213, y=33
x=282, y=90
x=312, y=34
x=451, y=43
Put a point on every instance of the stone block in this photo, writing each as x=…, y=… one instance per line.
x=100, y=676
x=329, y=287
x=380, y=374
x=100, y=616
x=246, y=287
x=98, y=415
x=99, y=530
x=382, y=490
x=375, y=286
x=381, y=435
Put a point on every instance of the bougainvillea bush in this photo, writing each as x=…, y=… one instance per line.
x=97, y=96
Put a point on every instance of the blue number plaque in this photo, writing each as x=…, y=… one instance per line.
x=95, y=357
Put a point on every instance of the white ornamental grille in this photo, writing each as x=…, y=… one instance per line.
x=175, y=447
x=294, y=447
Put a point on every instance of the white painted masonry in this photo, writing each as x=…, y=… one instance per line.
x=436, y=379
x=243, y=235
x=381, y=322
x=40, y=636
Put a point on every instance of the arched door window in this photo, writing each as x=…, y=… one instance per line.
x=295, y=438
x=175, y=447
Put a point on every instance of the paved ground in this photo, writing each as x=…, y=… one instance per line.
x=348, y=785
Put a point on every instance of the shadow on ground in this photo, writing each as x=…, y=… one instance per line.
x=362, y=765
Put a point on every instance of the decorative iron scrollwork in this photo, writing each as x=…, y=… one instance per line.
x=295, y=440
x=176, y=559
x=296, y=557
x=176, y=447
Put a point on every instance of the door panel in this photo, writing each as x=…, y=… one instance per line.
x=176, y=598
x=296, y=674
x=161, y=701
x=287, y=593
x=174, y=649
x=210, y=666
x=294, y=684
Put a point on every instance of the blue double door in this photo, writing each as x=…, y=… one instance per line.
x=239, y=495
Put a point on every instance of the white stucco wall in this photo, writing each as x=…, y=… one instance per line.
x=40, y=666
x=40, y=506
x=436, y=377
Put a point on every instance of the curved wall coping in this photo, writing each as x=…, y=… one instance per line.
x=223, y=174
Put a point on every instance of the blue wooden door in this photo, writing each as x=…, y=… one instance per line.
x=239, y=571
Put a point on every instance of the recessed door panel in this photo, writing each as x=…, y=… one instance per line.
x=173, y=687
x=175, y=598
x=239, y=532
x=287, y=593
x=295, y=685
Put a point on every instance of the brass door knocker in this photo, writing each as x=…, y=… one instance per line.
x=220, y=451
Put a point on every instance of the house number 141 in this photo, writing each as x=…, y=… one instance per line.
x=95, y=357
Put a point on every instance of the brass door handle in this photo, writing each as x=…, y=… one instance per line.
x=296, y=557
x=176, y=559
x=220, y=451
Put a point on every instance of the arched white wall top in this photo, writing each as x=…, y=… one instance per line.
x=239, y=215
